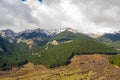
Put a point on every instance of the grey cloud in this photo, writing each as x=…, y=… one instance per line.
x=51, y=2
x=96, y=11
x=53, y=14
x=12, y=12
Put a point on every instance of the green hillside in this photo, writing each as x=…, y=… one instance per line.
x=5, y=46
x=116, y=44
x=104, y=40
x=13, y=55
x=67, y=35
x=115, y=59
x=61, y=54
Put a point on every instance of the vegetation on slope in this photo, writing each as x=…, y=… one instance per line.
x=19, y=54
x=116, y=44
x=5, y=45
x=104, y=40
x=113, y=37
x=110, y=37
x=13, y=55
x=67, y=35
x=115, y=60
x=61, y=54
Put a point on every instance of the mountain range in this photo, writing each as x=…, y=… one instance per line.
x=50, y=48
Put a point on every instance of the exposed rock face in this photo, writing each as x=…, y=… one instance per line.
x=54, y=42
x=1, y=50
x=28, y=42
x=3, y=34
x=8, y=33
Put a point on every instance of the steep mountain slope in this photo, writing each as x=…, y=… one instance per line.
x=8, y=35
x=34, y=33
x=61, y=54
x=12, y=55
x=5, y=46
x=39, y=36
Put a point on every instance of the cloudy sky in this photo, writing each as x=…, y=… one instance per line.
x=84, y=15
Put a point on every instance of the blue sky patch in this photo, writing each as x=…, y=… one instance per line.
x=40, y=1
x=24, y=0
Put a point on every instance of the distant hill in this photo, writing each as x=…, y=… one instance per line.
x=111, y=36
x=112, y=39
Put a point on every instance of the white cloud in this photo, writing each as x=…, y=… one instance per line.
x=85, y=15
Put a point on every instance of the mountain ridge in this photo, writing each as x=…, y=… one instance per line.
x=52, y=51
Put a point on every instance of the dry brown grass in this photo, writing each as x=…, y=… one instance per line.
x=82, y=67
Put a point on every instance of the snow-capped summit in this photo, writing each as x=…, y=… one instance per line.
x=34, y=33
x=42, y=31
x=94, y=35
x=68, y=29
x=8, y=33
x=39, y=31
x=57, y=31
x=11, y=35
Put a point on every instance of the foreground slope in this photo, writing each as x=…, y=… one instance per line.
x=82, y=67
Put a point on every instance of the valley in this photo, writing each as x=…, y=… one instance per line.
x=64, y=55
